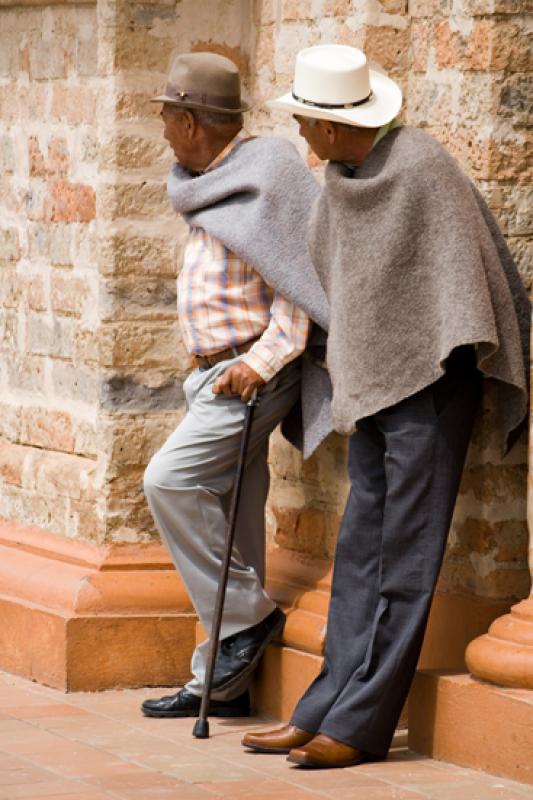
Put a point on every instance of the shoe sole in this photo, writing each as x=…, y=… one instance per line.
x=278, y=751
x=218, y=712
x=317, y=765
x=235, y=681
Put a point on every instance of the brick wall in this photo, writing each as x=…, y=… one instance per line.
x=92, y=364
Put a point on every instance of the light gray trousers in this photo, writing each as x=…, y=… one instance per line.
x=188, y=485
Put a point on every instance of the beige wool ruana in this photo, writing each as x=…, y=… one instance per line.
x=414, y=265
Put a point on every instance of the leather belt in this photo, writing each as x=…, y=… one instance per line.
x=205, y=362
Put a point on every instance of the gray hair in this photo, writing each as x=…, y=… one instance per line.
x=212, y=119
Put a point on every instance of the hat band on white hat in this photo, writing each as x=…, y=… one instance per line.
x=332, y=105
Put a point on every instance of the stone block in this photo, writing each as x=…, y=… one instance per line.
x=75, y=382
x=26, y=373
x=73, y=105
x=146, y=344
x=144, y=199
x=70, y=294
x=386, y=45
x=36, y=160
x=9, y=334
x=8, y=158
x=9, y=244
x=522, y=250
x=420, y=39
x=297, y=10
x=141, y=390
x=12, y=460
x=35, y=293
x=65, y=475
x=10, y=423
x=515, y=99
x=136, y=50
x=134, y=152
x=429, y=103
x=490, y=45
x=50, y=336
x=143, y=255
x=69, y=202
x=86, y=349
x=45, y=427
x=60, y=243
x=47, y=62
x=138, y=298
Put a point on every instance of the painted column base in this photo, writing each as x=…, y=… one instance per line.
x=456, y=718
x=82, y=617
x=504, y=655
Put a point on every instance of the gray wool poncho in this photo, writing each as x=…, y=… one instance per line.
x=414, y=264
x=257, y=202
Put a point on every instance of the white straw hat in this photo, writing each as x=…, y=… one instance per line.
x=334, y=81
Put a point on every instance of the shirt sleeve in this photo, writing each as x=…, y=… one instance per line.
x=282, y=341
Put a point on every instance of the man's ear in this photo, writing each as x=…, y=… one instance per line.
x=329, y=129
x=189, y=124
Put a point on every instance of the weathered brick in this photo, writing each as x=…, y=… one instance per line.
x=50, y=336
x=58, y=157
x=64, y=474
x=420, y=38
x=9, y=245
x=8, y=158
x=60, y=244
x=10, y=288
x=26, y=373
x=69, y=294
x=69, y=202
x=491, y=45
x=134, y=152
x=35, y=158
x=430, y=103
x=44, y=427
x=394, y=6
x=138, y=298
x=9, y=333
x=387, y=46
x=46, y=62
x=12, y=459
x=515, y=99
x=74, y=381
x=297, y=9
x=126, y=255
x=139, y=344
x=73, y=104
x=141, y=390
x=35, y=294
x=143, y=199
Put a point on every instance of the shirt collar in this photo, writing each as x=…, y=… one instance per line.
x=242, y=136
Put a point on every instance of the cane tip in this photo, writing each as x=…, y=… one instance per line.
x=201, y=729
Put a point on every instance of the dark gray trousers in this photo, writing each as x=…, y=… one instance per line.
x=405, y=465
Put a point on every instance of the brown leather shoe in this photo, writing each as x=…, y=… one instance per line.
x=323, y=752
x=280, y=740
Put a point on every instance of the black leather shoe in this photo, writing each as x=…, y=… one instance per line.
x=240, y=654
x=187, y=704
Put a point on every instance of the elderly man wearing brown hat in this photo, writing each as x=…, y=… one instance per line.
x=247, y=294
x=426, y=305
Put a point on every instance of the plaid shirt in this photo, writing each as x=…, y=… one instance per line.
x=223, y=302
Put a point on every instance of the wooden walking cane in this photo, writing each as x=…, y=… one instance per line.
x=201, y=726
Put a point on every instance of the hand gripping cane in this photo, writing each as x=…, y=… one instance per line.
x=201, y=726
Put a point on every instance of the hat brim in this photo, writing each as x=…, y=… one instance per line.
x=381, y=108
x=164, y=98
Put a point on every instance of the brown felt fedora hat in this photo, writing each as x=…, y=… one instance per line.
x=205, y=81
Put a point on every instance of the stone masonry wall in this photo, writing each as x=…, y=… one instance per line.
x=48, y=274
x=92, y=364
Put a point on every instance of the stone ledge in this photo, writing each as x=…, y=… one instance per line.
x=85, y=617
x=456, y=718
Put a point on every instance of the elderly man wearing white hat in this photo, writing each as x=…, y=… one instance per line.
x=426, y=303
